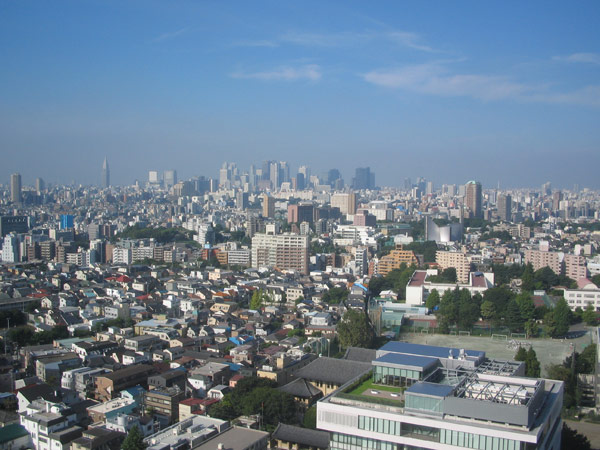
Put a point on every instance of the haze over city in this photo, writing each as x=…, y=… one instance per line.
x=506, y=93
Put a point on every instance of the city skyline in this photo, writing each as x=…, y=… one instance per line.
x=444, y=93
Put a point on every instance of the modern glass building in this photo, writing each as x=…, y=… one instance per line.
x=426, y=397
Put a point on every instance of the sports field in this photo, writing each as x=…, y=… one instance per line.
x=549, y=351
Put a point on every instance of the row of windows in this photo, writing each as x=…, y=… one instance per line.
x=477, y=441
x=398, y=428
x=443, y=436
x=346, y=442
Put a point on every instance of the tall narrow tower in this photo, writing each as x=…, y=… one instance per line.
x=474, y=198
x=15, y=188
x=105, y=174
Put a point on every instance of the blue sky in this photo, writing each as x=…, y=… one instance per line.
x=503, y=92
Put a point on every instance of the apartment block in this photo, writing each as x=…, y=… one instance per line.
x=457, y=260
x=283, y=251
x=540, y=259
x=395, y=259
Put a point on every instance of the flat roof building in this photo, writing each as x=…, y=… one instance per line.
x=428, y=397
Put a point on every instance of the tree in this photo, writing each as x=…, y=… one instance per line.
x=513, y=319
x=468, y=310
x=433, y=300
x=310, y=418
x=571, y=439
x=134, y=440
x=532, y=364
x=488, y=310
x=527, y=283
x=558, y=319
x=335, y=295
x=447, y=313
x=526, y=305
x=354, y=330
x=589, y=315
x=256, y=301
x=521, y=354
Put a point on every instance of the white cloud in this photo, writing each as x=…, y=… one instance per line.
x=585, y=96
x=169, y=35
x=433, y=79
x=587, y=58
x=436, y=79
x=311, y=72
x=410, y=40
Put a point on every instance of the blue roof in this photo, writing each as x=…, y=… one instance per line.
x=437, y=390
x=427, y=350
x=407, y=360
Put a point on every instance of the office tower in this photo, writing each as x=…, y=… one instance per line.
x=268, y=206
x=305, y=171
x=66, y=221
x=275, y=174
x=13, y=224
x=241, y=200
x=429, y=188
x=105, y=174
x=300, y=213
x=345, y=202
x=40, y=186
x=300, y=182
x=407, y=184
x=15, y=188
x=283, y=251
x=436, y=398
x=363, y=178
x=556, y=199
x=224, y=175
x=473, y=198
x=153, y=177
x=333, y=176
x=547, y=188
x=170, y=178
x=504, y=207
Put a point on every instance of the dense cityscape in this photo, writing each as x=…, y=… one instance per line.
x=262, y=308
x=312, y=225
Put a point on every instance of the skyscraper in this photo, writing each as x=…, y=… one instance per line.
x=504, y=204
x=170, y=178
x=105, y=174
x=473, y=198
x=15, y=188
x=363, y=178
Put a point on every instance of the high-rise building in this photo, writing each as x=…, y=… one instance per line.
x=40, y=186
x=473, y=198
x=333, y=176
x=15, y=188
x=300, y=213
x=170, y=178
x=241, y=200
x=13, y=224
x=66, y=221
x=363, y=178
x=556, y=199
x=153, y=177
x=283, y=251
x=105, y=174
x=345, y=202
x=504, y=204
x=268, y=206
